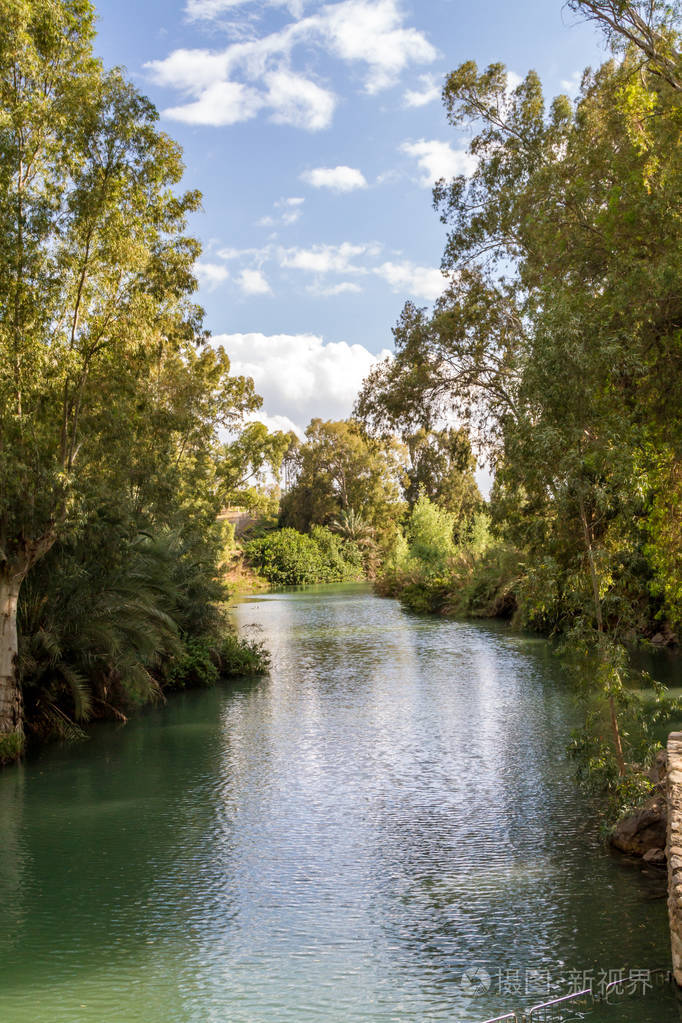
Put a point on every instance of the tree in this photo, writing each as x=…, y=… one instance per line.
x=252, y=461
x=650, y=26
x=442, y=468
x=558, y=336
x=104, y=365
x=340, y=468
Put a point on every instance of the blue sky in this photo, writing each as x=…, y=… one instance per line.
x=314, y=131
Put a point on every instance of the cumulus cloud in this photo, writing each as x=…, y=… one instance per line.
x=275, y=423
x=210, y=275
x=294, y=99
x=571, y=86
x=300, y=375
x=513, y=80
x=351, y=263
x=338, y=179
x=439, y=160
x=324, y=259
x=429, y=91
x=287, y=212
x=256, y=74
x=198, y=9
x=374, y=33
x=221, y=104
x=417, y=281
x=253, y=282
x=342, y=288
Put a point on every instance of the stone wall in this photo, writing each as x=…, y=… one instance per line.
x=674, y=849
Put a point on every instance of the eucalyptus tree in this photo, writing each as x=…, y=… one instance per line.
x=106, y=377
x=558, y=335
x=651, y=26
x=339, y=468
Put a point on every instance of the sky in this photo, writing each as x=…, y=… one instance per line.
x=315, y=131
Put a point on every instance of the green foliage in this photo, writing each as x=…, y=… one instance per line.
x=441, y=466
x=195, y=667
x=557, y=341
x=339, y=468
x=429, y=536
x=11, y=747
x=239, y=655
x=113, y=404
x=247, y=463
x=114, y=620
x=290, y=558
x=425, y=565
x=644, y=718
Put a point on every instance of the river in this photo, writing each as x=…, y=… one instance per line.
x=384, y=829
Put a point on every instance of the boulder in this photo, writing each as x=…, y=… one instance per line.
x=643, y=831
x=658, y=769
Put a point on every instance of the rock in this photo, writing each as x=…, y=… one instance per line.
x=665, y=637
x=643, y=830
x=655, y=857
x=659, y=768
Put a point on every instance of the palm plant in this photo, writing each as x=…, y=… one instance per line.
x=351, y=526
x=96, y=622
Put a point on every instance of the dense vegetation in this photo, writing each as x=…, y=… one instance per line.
x=290, y=558
x=555, y=352
x=114, y=404
x=558, y=340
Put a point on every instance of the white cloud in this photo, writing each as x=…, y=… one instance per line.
x=275, y=423
x=513, y=81
x=297, y=100
x=430, y=91
x=322, y=262
x=196, y=9
x=417, y=281
x=256, y=74
x=229, y=253
x=571, y=86
x=323, y=259
x=374, y=33
x=253, y=282
x=439, y=160
x=289, y=210
x=190, y=71
x=220, y=104
x=210, y=275
x=343, y=288
x=339, y=179
x=290, y=217
x=299, y=375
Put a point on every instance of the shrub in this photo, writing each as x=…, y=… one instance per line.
x=290, y=558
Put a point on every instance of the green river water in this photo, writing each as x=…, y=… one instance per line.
x=384, y=829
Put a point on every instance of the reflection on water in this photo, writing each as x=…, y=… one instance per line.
x=344, y=840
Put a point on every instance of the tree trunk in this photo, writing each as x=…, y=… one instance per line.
x=11, y=703
x=615, y=728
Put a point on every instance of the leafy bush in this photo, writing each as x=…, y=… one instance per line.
x=429, y=534
x=237, y=655
x=109, y=621
x=290, y=558
x=429, y=572
x=195, y=667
